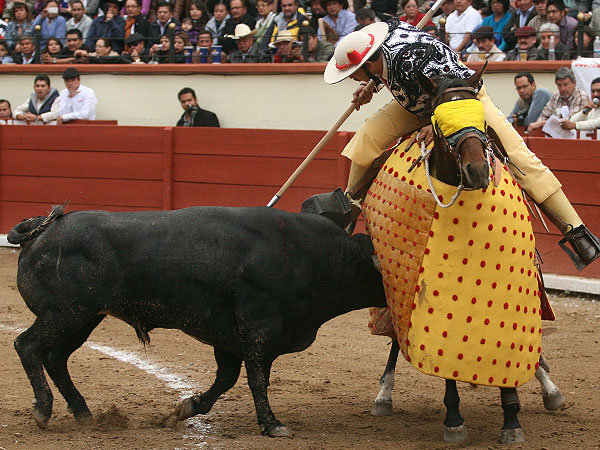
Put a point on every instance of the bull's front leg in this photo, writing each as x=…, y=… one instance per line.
x=228, y=372
x=258, y=371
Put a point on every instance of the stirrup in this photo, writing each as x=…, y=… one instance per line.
x=586, y=246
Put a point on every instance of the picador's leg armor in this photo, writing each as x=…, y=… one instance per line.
x=585, y=247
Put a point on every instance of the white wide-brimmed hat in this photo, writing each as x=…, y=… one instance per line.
x=241, y=30
x=354, y=50
x=284, y=36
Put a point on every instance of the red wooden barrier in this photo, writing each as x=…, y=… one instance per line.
x=153, y=168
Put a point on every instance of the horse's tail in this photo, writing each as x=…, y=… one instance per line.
x=31, y=228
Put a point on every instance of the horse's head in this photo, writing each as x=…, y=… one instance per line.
x=459, y=155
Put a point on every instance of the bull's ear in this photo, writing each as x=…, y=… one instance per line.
x=427, y=84
x=474, y=79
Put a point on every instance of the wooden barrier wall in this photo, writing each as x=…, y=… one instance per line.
x=153, y=168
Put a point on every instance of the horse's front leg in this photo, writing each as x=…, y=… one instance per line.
x=383, y=402
x=511, y=433
x=454, y=425
x=552, y=397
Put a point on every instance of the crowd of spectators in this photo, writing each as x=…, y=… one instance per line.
x=143, y=31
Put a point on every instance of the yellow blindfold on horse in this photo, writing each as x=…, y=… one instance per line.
x=451, y=117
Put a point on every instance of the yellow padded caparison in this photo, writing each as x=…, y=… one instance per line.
x=460, y=282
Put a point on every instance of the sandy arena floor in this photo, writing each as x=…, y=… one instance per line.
x=324, y=394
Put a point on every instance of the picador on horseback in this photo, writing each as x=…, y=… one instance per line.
x=463, y=288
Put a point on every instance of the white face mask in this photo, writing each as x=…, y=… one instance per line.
x=52, y=10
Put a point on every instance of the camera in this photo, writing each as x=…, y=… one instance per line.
x=521, y=118
x=296, y=44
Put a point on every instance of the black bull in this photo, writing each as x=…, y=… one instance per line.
x=254, y=283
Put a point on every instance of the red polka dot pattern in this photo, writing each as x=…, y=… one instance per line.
x=464, y=276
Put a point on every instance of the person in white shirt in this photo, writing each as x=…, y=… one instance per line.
x=460, y=24
x=79, y=20
x=589, y=117
x=76, y=101
x=42, y=105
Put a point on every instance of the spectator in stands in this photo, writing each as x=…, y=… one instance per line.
x=239, y=15
x=194, y=116
x=79, y=20
x=67, y=54
x=341, y=20
x=531, y=100
x=246, y=52
x=42, y=105
x=412, y=15
x=284, y=43
x=160, y=52
x=135, y=22
x=483, y=38
x=541, y=16
x=594, y=23
x=567, y=25
x=547, y=31
x=288, y=19
x=5, y=57
x=21, y=21
x=447, y=8
x=318, y=51
x=589, y=117
x=568, y=95
x=205, y=41
x=520, y=17
x=92, y=8
x=588, y=43
x=52, y=51
x=111, y=26
x=365, y=16
x=3, y=26
x=432, y=30
x=498, y=20
x=216, y=25
x=164, y=16
x=26, y=53
x=53, y=25
x=76, y=101
x=135, y=48
x=317, y=13
x=266, y=16
x=460, y=24
x=5, y=111
x=526, y=49
x=103, y=54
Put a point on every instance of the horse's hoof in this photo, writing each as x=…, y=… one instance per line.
x=279, y=431
x=455, y=434
x=553, y=401
x=382, y=408
x=40, y=419
x=512, y=436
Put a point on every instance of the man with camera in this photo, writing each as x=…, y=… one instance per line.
x=531, y=102
x=194, y=116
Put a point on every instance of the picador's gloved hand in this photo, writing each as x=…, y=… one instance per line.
x=355, y=206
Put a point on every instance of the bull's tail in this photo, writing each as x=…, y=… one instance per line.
x=34, y=226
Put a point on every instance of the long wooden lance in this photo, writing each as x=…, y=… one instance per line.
x=325, y=139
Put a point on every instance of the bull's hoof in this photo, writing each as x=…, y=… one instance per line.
x=512, y=436
x=279, y=431
x=553, y=401
x=382, y=408
x=455, y=434
x=40, y=418
x=183, y=411
x=84, y=419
